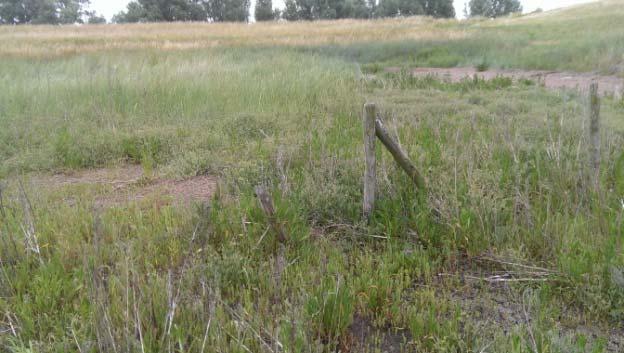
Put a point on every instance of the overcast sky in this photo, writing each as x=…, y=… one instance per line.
x=110, y=7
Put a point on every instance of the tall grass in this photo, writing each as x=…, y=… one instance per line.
x=93, y=110
x=506, y=165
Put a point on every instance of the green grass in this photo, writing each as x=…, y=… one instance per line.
x=584, y=39
x=505, y=162
x=94, y=110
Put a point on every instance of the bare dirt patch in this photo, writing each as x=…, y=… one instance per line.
x=496, y=305
x=129, y=183
x=608, y=85
x=116, y=177
x=499, y=292
x=365, y=337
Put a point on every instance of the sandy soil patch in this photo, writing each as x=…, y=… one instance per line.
x=129, y=183
x=607, y=85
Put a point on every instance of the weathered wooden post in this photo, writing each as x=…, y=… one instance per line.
x=370, y=176
x=399, y=155
x=266, y=202
x=594, y=132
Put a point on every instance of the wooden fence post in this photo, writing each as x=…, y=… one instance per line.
x=594, y=132
x=370, y=113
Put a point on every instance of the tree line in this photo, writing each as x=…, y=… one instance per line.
x=336, y=9
x=16, y=12
x=492, y=8
x=185, y=10
x=76, y=11
x=238, y=10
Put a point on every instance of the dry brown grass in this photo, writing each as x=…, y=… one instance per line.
x=54, y=41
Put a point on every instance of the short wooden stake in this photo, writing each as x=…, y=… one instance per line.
x=594, y=131
x=266, y=202
x=370, y=176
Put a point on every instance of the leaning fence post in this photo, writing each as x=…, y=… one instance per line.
x=370, y=113
x=594, y=132
x=399, y=155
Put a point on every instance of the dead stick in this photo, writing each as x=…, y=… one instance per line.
x=266, y=202
x=399, y=155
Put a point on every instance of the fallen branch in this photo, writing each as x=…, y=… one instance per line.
x=515, y=264
x=499, y=278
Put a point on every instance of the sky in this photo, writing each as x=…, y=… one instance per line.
x=108, y=8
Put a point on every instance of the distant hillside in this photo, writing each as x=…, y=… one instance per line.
x=587, y=37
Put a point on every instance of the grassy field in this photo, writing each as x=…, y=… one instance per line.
x=280, y=105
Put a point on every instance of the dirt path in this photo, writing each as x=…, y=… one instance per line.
x=129, y=183
x=608, y=85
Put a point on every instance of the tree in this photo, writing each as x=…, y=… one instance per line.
x=227, y=10
x=371, y=6
x=264, y=10
x=94, y=18
x=277, y=14
x=411, y=8
x=326, y=9
x=480, y=8
x=290, y=13
x=434, y=8
x=162, y=10
x=357, y=9
x=305, y=9
x=393, y=8
x=134, y=13
x=237, y=11
x=505, y=7
x=42, y=11
x=440, y=9
x=69, y=11
x=493, y=8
